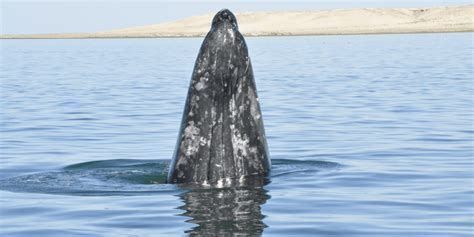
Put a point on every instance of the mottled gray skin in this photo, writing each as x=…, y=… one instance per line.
x=221, y=140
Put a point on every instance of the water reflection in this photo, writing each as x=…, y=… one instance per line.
x=224, y=212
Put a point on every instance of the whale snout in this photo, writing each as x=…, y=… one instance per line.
x=225, y=18
x=225, y=14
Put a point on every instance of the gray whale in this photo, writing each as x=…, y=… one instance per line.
x=222, y=138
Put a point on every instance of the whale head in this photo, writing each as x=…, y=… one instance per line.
x=221, y=140
x=225, y=19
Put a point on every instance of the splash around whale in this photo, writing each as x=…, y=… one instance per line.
x=222, y=138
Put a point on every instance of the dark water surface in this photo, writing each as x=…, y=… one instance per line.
x=369, y=136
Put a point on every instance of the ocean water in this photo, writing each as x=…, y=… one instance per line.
x=369, y=136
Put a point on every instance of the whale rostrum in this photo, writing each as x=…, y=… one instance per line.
x=222, y=137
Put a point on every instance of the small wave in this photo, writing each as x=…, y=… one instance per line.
x=127, y=177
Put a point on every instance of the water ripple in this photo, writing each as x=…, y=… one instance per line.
x=395, y=110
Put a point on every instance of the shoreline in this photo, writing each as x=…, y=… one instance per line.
x=246, y=36
x=364, y=21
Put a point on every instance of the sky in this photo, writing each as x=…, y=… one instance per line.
x=74, y=16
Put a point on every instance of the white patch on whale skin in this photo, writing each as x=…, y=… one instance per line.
x=254, y=111
x=231, y=33
x=194, y=100
x=190, y=135
x=242, y=179
x=224, y=182
x=213, y=115
x=201, y=84
x=202, y=141
x=240, y=143
x=220, y=183
x=233, y=111
x=205, y=183
x=231, y=65
x=253, y=150
x=214, y=65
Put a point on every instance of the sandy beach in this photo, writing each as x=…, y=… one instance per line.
x=287, y=23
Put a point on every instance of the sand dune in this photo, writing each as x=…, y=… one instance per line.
x=331, y=22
